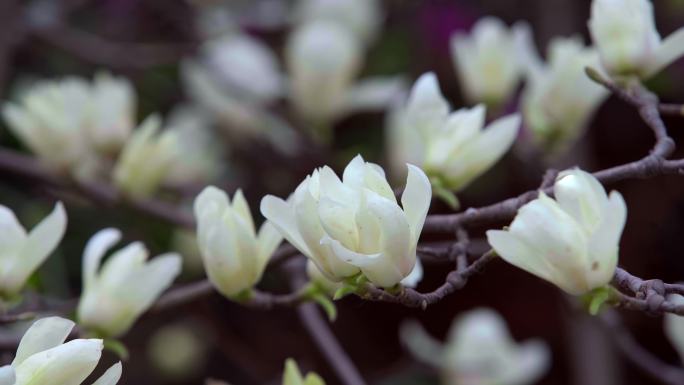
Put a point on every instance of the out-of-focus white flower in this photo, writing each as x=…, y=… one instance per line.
x=355, y=223
x=177, y=351
x=67, y=122
x=480, y=351
x=625, y=34
x=126, y=285
x=23, y=253
x=571, y=241
x=198, y=154
x=362, y=17
x=234, y=255
x=674, y=326
x=324, y=59
x=44, y=358
x=487, y=60
x=146, y=159
x=452, y=147
x=292, y=375
x=559, y=98
x=234, y=80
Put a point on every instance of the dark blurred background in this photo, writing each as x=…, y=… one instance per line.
x=243, y=346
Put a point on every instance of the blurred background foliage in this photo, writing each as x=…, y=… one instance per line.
x=216, y=338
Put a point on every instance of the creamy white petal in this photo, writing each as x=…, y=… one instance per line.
x=671, y=49
x=46, y=333
x=416, y=198
x=603, y=246
x=111, y=376
x=416, y=275
x=66, y=364
x=12, y=233
x=282, y=216
x=241, y=207
x=95, y=250
x=7, y=376
x=580, y=195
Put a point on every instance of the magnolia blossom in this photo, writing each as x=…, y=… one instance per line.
x=68, y=122
x=44, y=358
x=324, y=60
x=480, y=351
x=198, y=153
x=452, y=147
x=362, y=17
x=116, y=294
x=486, y=60
x=625, y=34
x=234, y=255
x=292, y=375
x=354, y=224
x=234, y=80
x=146, y=159
x=571, y=241
x=559, y=98
x=674, y=326
x=23, y=253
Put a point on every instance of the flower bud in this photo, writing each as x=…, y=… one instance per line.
x=23, y=253
x=323, y=59
x=486, y=60
x=44, y=358
x=146, y=159
x=234, y=255
x=355, y=223
x=480, y=351
x=559, y=98
x=625, y=34
x=571, y=241
x=116, y=294
x=451, y=146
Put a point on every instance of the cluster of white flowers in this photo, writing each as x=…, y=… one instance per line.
x=352, y=228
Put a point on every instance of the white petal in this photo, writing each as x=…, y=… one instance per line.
x=480, y=154
x=582, y=196
x=12, y=233
x=427, y=98
x=518, y=253
x=44, y=334
x=338, y=222
x=95, y=250
x=353, y=174
x=111, y=376
x=67, y=364
x=7, y=376
x=671, y=49
x=42, y=241
x=269, y=238
x=533, y=359
x=122, y=264
x=421, y=345
x=282, y=216
x=416, y=275
x=374, y=93
x=605, y=241
x=213, y=199
x=241, y=207
x=416, y=199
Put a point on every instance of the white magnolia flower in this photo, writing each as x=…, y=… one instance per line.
x=117, y=292
x=451, y=146
x=146, y=159
x=355, y=223
x=625, y=34
x=44, y=358
x=480, y=351
x=674, y=326
x=571, y=241
x=559, y=98
x=324, y=60
x=68, y=122
x=362, y=17
x=486, y=60
x=292, y=375
x=234, y=255
x=198, y=153
x=21, y=253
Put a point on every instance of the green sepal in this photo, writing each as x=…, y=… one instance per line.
x=243, y=296
x=352, y=285
x=117, y=347
x=317, y=293
x=595, y=299
x=442, y=192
